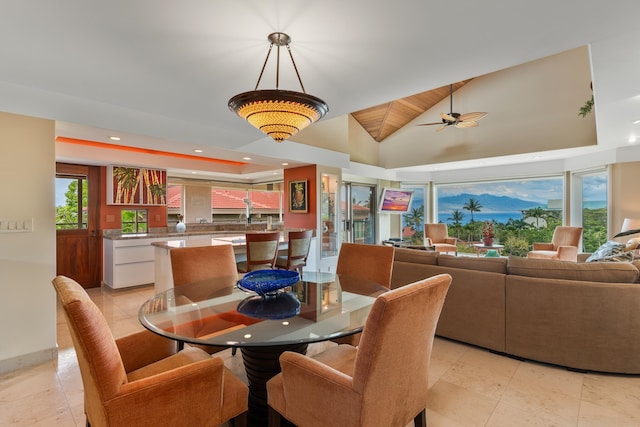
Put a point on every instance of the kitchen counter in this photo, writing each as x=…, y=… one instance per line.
x=163, y=273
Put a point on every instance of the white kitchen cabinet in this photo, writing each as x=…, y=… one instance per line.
x=129, y=262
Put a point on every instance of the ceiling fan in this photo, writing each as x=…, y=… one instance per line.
x=467, y=120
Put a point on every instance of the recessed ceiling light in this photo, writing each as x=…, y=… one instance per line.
x=246, y=158
x=114, y=138
x=197, y=150
x=632, y=139
x=635, y=122
x=285, y=164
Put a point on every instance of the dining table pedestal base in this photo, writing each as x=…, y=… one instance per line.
x=261, y=364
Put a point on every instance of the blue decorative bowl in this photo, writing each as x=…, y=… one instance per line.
x=265, y=282
x=281, y=306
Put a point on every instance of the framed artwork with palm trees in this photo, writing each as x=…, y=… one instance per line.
x=136, y=186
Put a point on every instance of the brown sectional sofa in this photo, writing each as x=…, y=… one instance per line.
x=584, y=316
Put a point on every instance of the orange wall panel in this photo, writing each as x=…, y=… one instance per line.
x=301, y=220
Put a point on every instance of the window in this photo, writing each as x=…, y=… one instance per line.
x=413, y=221
x=71, y=202
x=590, y=202
x=134, y=221
x=522, y=211
x=218, y=202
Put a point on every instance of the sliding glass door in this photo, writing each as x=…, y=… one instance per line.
x=358, y=205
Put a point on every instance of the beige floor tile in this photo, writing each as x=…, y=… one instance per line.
x=478, y=379
x=491, y=362
x=592, y=415
x=509, y=416
x=535, y=397
x=551, y=378
x=459, y=404
x=614, y=392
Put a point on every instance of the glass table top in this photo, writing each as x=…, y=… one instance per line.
x=317, y=308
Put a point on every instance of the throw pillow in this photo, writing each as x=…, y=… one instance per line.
x=611, y=251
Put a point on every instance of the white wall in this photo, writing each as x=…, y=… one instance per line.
x=27, y=260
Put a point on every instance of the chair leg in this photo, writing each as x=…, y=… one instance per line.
x=274, y=418
x=240, y=420
x=421, y=419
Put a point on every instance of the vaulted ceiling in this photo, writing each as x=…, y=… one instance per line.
x=383, y=120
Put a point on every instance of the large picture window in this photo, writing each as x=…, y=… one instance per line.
x=521, y=211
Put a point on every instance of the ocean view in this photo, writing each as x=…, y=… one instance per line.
x=501, y=217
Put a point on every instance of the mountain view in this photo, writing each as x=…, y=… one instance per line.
x=490, y=203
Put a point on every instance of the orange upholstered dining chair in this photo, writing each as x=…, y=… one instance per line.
x=140, y=379
x=372, y=262
x=369, y=262
x=262, y=250
x=563, y=247
x=437, y=235
x=213, y=268
x=297, y=251
x=382, y=382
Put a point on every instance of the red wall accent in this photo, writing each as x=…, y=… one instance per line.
x=301, y=220
x=157, y=214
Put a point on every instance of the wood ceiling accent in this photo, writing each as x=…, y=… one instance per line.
x=384, y=119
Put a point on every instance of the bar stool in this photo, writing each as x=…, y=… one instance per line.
x=297, y=251
x=262, y=250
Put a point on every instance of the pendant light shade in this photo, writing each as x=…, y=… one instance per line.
x=278, y=113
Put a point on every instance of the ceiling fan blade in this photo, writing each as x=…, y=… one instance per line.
x=441, y=128
x=472, y=116
x=429, y=124
x=466, y=124
x=447, y=117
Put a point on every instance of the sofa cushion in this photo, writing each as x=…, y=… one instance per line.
x=610, y=272
x=416, y=256
x=490, y=265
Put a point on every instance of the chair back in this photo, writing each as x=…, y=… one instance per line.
x=298, y=248
x=372, y=262
x=262, y=250
x=215, y=265
x=392, y=361
x=566, y=236
x=436, y=232
x=99, y=359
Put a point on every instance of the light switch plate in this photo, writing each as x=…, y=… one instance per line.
x=16, y=225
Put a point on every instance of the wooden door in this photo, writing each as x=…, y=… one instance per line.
x=78, y=238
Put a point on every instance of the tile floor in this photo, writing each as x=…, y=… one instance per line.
x=468, y=386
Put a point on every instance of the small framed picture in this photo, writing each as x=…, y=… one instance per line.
x=298, y=202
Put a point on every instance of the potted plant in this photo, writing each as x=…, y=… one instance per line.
x=487, y=234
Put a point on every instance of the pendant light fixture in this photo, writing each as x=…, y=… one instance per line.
x=278, y=113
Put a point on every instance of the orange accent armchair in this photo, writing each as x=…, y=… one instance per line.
x=140, y=380
x=437, y=235
x=563, y=247
x=375, y=384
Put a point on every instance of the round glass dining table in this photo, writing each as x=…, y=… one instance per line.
x=320, y=307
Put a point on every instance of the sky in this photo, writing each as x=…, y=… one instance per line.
x=537, y=190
